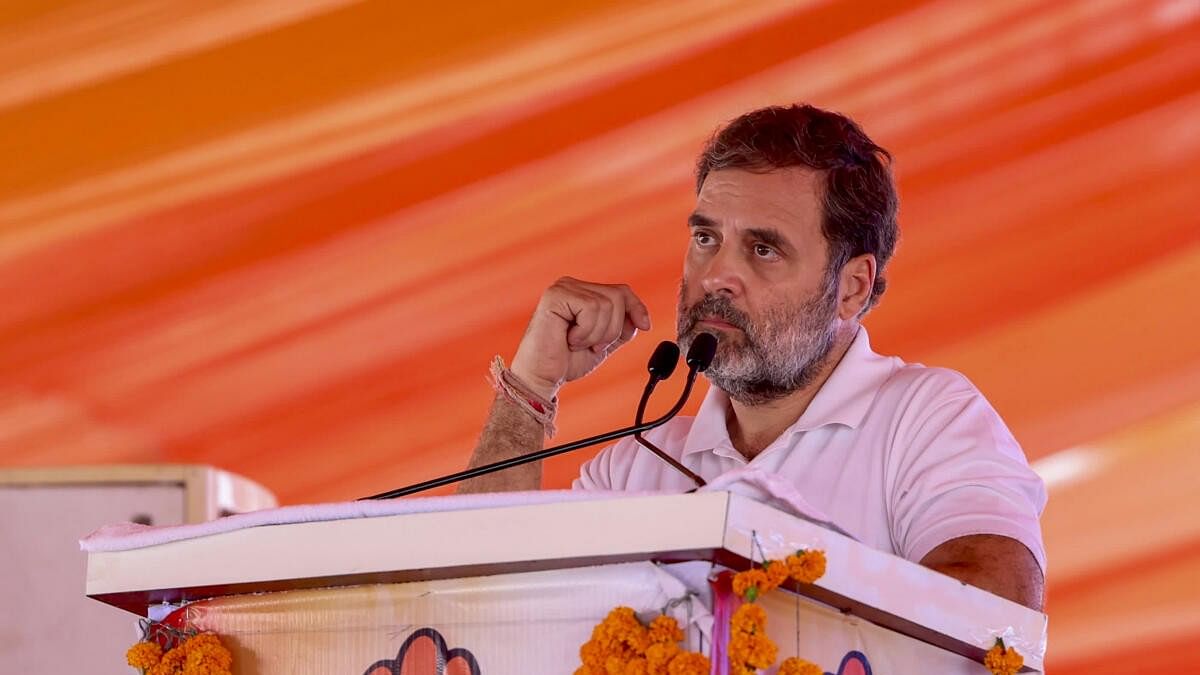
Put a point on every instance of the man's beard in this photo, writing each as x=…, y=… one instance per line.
x=782, y=353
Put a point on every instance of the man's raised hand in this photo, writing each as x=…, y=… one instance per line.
x=575, y=327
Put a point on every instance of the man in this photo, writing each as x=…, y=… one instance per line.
x=795, y=221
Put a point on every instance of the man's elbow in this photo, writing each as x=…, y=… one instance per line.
x=997, y=564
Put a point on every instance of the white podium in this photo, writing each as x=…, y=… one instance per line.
x=43, y=513
x=518, y=587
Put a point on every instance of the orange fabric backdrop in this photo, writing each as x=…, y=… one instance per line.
x=286, y=238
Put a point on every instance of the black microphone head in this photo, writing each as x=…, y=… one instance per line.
x=700, y=354
x=663, y=360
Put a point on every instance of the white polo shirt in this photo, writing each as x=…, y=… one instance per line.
x=901, y=456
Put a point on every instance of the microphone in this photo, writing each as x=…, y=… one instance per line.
x=702, y=352
x=661, y=366
x=662, y=362
x=699, y=358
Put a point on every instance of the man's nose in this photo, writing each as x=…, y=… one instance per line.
x=723, y=274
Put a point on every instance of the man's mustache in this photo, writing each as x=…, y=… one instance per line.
x=717, y=307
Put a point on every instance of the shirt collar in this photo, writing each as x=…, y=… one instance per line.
x=843, y=399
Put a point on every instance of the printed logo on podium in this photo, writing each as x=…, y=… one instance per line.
x=425, y=653
x=854, y=663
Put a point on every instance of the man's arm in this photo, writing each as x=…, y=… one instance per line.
x=995, y=563
x=575, y=327
x=509, y=432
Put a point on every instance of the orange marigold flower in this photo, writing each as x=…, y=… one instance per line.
x=592, y=655
x=777, y=573
x=618, y=646
x=760, y=651
x=665, y=629
x=689, y=663
x=796, y=666
x=635, y=666
x=739, y=650
x=755, y=579
x=171, y=662
x=144, y=655
x=659, y=656
x=621, y=629
x=749, y=618
x=806, y=566
x=206, y=654
x=1003, y=661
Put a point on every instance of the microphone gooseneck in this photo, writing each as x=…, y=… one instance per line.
x=699, y=357
x=661, y=365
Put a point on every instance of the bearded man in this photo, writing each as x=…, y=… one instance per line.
x=795, y=221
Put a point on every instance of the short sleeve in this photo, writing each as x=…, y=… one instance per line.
x=960, y=472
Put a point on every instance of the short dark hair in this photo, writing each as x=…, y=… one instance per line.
x=860, y=199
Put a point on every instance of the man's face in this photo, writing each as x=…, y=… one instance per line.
x=756, y=276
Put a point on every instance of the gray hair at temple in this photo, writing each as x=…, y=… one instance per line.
x=860, y=201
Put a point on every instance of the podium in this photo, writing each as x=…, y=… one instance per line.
x=43, y=513
x=496, y=584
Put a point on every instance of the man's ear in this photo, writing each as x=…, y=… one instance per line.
x=855, y=282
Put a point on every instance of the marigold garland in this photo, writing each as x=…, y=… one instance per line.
x=750, y=649
x=200, y=654
x=144, y=655
x=622, y=645
x=1001, y=660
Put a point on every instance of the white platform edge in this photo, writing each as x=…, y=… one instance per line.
x=888, y=583
x=574, y=534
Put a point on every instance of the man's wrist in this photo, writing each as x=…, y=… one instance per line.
x=546, y=389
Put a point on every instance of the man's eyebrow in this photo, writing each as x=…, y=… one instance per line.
x=771, y=237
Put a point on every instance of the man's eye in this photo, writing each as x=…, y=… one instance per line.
x=764, y=251
x=703, y=238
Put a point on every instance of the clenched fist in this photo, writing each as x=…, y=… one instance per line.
x=575, y=327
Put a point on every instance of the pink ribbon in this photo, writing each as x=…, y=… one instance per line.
x=724, y=604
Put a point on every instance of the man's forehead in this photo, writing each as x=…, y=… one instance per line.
x=789, y=198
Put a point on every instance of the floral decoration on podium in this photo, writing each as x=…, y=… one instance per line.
x=164, y=650
x=621, y=643
x=1002, y=660
x=750, y=649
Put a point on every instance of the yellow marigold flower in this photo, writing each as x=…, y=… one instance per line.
x=749, y=618
x=144, y=655
x=665, y=629
x=807, y=566
x=796, y=666
x=1003, y=661
x=755, y=579
x=689, y=663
